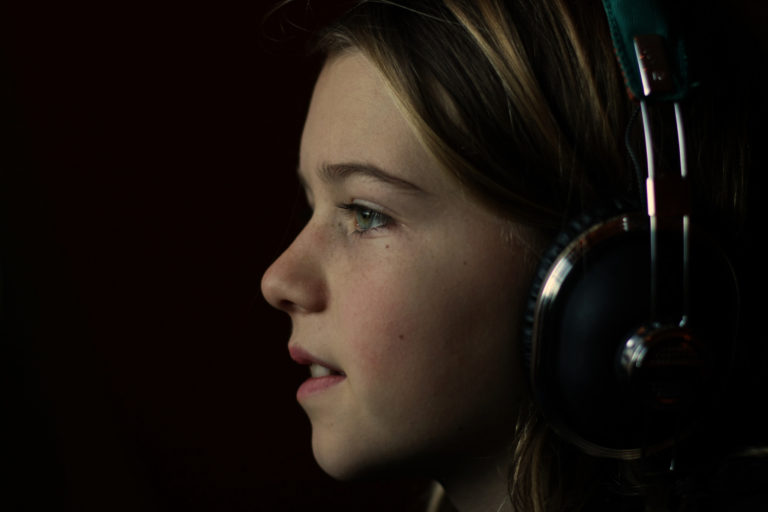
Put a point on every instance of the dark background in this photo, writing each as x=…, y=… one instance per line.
x=148, y=161
x=147, y=157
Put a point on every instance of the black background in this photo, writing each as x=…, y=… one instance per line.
x=147, y=181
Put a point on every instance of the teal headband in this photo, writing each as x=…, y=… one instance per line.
x=631, y=19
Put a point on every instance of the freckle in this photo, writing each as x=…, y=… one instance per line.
x=401, y=336
x=387, y=246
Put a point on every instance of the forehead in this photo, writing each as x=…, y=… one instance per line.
x=354, y=118
x=350, y=87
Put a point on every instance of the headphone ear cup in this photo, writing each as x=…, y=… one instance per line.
x=590, y=298
x=573, y=230
x=563, y=239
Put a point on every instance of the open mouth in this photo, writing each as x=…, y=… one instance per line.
x=317, y=371
x=320, y=378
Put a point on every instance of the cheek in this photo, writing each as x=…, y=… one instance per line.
x=381, y=313
x=421, y=337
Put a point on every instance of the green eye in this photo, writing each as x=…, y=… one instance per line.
x=366, y=219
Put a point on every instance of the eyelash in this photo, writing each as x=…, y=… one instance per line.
x=355, y=210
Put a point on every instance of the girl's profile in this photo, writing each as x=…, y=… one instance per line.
x=447, y=145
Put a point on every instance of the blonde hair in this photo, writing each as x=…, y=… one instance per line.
x=524, y=104
x=494, y=98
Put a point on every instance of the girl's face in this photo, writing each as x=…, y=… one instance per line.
x=403, y=286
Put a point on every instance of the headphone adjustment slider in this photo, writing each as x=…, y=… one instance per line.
x=668, y=196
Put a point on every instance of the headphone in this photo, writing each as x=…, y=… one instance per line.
x=632, y=318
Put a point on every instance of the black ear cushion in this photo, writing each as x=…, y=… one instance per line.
x=599, y=297
x=563, y=239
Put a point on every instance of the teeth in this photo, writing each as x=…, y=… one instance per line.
x=315, y=370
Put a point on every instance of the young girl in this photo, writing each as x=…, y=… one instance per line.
x=446, y=143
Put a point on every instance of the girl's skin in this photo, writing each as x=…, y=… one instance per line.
x=408, y=287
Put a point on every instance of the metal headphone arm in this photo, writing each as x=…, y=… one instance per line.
x=668, y=196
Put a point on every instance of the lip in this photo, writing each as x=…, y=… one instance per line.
x=301, y=356
x=314, y=385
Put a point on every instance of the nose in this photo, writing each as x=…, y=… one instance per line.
x=294, y=282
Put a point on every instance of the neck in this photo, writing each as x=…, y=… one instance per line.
x=480, y=484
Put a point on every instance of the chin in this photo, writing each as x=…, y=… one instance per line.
x=342, y=461
x=357, y=459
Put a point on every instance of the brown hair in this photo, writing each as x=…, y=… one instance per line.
x=523, y=102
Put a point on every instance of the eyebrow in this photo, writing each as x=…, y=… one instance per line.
x=336, y=172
